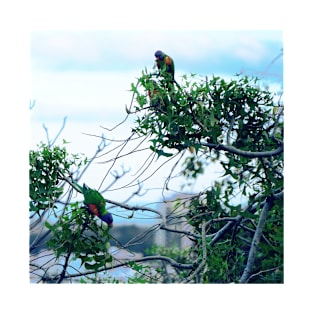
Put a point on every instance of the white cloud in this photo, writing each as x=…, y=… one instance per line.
x=249, y=48
x=131, y=49
x=74, y=93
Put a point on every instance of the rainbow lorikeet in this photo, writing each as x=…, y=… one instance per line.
x=96, y=204
x=165, y=64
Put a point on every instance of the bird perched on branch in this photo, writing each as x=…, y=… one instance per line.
x=165, y=64
x=95, y=203
x=166, y=67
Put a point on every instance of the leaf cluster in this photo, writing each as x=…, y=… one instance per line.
x=210, y=110
x=44, y=186
x=77, y=233
x=221, y=120
x=73, y=232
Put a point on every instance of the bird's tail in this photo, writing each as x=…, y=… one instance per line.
x=77, y=187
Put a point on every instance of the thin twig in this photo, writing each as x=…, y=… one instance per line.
x=123, y=146
x=172, y=262
x=264, y=271
x=50, y=144
x=134, y=208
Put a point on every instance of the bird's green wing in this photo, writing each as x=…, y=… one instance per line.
x=93, y=196
x=170, y=67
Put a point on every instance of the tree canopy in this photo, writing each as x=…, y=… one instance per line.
x=231, y=231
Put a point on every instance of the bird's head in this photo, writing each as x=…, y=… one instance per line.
x=159, y=55
x=108, y=219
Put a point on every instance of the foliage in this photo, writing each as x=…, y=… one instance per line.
x=46, y=165
x=235, y=225
x=238, y=125
x=74, y=233
x=78, y=235
x=44, y=186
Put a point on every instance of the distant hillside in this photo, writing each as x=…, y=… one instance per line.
x=132, y=237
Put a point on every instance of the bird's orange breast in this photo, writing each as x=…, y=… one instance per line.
x=93, y=209
x=168, y=60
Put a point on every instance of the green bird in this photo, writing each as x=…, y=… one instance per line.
x=165, y=64
x=95, y=203
x=166, y=67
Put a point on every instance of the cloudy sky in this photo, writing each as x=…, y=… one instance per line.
x=203, y=52
x=85, y=76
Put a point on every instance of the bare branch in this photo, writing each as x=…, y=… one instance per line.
x=127, y=111
x=101, y=146
x=127, y=263
x=134, y=208
x=50, y=144
x=256, y=239
x=180, y=231
x=138, y=239
x=32, y=104
x=204, y=254
x=264, y=271
x=190, y=234
x=123, y=146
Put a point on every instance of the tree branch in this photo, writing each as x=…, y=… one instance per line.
x=255, y=241
x=264, y=271
x=204, y=254
x=139, y=260
x=191, y=234
x=134, y=208
x=50, y=144
x=251, y=209
x=247, y=154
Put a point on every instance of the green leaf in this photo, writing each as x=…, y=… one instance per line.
x=247, y=215
x=94, y=266
x=162, y=153
x=49, y=226
x=134, y=88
